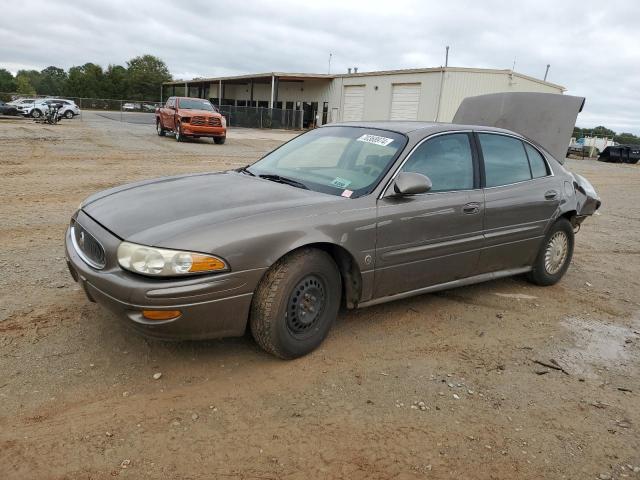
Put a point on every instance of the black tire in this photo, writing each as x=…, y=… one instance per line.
x=219, y=140
x=159, y=128
x=305, y=282
x=68, y=114
x=35, y=113
x=178, y=132
x=552, y=261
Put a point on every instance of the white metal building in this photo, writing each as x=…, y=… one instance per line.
x=429, y=94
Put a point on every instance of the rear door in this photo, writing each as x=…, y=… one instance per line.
x=521, y=198
x=433, y=238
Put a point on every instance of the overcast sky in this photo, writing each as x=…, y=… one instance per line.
x=593, y=47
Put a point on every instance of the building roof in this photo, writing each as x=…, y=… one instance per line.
x=266, y=77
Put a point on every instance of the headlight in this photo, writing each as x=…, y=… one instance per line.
x=166, y=263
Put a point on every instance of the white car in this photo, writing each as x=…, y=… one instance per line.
x=69, y=108
x=131, y=106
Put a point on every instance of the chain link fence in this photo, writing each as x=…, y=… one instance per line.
x=114, y=109
x=262, y=117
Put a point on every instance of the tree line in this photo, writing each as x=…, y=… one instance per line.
x=600, y=131
x=139, y=80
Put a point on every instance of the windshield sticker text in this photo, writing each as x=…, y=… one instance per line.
x=340, y=182
x=375, y=139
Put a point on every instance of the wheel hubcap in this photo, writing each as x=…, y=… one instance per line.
x=177, y=132
x=306, y=305
x=556, y=253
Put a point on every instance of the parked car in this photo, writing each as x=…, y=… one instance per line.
x=191, y=117
x=21, y=101
x=68, y=108
x=131, y=106
x=7, y=109
x=352, y=214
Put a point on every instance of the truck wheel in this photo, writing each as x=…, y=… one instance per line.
x=159, y=128
x=555, y=254
x=178, y=132
x=296, y=303
x=219, y=140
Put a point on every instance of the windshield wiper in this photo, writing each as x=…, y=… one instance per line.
x=246, y=170
x=285, y=180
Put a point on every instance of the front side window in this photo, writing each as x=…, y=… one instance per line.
x=538, y=165
x=447, y=161
x=347, y=161
x=505, y=160
x=170, y=103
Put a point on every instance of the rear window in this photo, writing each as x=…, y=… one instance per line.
x=505, y=160
x=538, y=165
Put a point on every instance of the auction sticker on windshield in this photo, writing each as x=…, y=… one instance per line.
x=340, y=182
x=375, y=139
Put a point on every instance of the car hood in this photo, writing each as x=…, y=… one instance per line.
x=192, y=113
x=155, y=212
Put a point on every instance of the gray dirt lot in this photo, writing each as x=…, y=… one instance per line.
x=79, y=401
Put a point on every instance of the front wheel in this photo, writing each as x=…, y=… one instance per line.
x=555, y=254
x=178, y=133
x=219, y=140
x=296, y=303
x=36, y=113
x=159, y=128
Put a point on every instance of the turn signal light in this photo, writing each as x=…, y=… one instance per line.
x=205, y=263
x=161, y=314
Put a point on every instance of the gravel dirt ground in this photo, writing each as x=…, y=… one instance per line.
x=79, y=399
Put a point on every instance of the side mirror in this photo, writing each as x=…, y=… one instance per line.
x=411, y=183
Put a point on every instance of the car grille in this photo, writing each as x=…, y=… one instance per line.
x=86, y=245
x=206, y=121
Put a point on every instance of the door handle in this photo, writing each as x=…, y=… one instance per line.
x=471, y=208
x=551, y=195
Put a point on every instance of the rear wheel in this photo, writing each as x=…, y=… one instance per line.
x=219, y=140
x=159, y=128
x=68, y=114
x=296, y=303
x=555, y=254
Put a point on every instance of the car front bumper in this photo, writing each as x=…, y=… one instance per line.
x=203, y=131
x=211, y=306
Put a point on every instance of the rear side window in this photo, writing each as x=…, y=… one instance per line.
x=538, y=165
x=505, y=160
x=446, y=160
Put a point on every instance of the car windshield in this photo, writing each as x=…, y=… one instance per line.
x=193, y=104
x=346, y=161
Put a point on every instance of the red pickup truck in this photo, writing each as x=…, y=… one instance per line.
x=190, y=117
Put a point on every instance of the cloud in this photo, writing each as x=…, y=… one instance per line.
x=592, y=47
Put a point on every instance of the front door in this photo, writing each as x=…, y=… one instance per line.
x=432, y=238
x=521, y=197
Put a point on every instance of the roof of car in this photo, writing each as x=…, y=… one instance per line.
x=414, y=126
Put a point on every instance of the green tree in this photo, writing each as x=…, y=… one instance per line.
x=146, y=75
x=23, y=85
x=32, y=75
x=52, y=81
x=85, y=81
x=116, y=84
x=7, y=82
x=627, y=139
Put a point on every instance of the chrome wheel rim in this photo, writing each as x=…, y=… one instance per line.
x=158, y=127
x=177, y=132
x=556, y=252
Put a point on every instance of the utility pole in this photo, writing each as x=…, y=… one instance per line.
x=330, y=55
x=546, y=72
x=446, y=57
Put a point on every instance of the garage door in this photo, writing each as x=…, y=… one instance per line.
x=353, y=103
x=404, y=101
